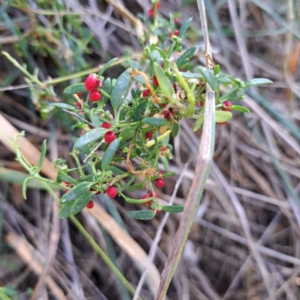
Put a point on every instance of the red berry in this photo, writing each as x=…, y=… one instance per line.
x=158, y=5
x=175, y=20
x=157, y=211
x=146, y=196
x=79, y=94
x=160, y=183
x=94, y=96
x=151, y=13
x=167, y=114
x=170, y=34
x=91, y=82
x=78, y=105
x=111, y=192
x=226, y=106
x=148, y=135
x=175, y=86
x=146, y=93
x=109, y=137
x=176, y=32
x=90, y=204
x=155, y=194
x=155, y=81
x=106, y=125
x=164, y=148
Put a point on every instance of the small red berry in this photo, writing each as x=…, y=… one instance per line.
x=90, y=204
x=78, y=105
x=146, y=93
x=155, y=194
x=148, y=135
x=151, y=13
x=111, y=192
x=94, y=96
x=226, y=106
x=106, y=125
x=176, y=32
x=79, y=94
x=109, y=137
x=164, y=148
x=91, y=82
x=158, y=5
x=155, y=81
x=157, y=211
x=175, y=86
x=167, y=114
x=175, y=20
x=160, y=183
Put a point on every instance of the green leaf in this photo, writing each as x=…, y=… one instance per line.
x=222, y=116
x=106, y=88
x=175, y=130
x=109, y=153
x=198, y=123
x=76, y=192
x=190, y=75
x=165, y=163
x=89, y=137
x=24, y=187
x=224, y=78
x=115, y=170
x=135, y=65
x=65, y=210
x=63, y=106
x=184, y=27
x=42, y=157
x=107, y=65
x=64, y=177
x=142, y=214
x=238, y=94
x=186, y=56
x=75, y=89
x=210, y=79
x=81, y=202
x=240, y=108
x=216, y=69
x=258, y=81
x=127, y=133
x=122, y=114
x=135, y=187
x=164, y=82
x=138, y=113
x=120, y=89
x=173, y=208
x=155, y=121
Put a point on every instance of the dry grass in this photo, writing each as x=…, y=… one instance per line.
x=244, y=243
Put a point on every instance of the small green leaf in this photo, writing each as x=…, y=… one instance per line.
x=184, y=27
x=165, y=163
x=76, y=192
x=24, y=187
x=107, y=65
x=258, y=81
x=198, y=123
x=122, y=114
x=75, y=89
x=224, y=78
x=135, y=187
x=240, y=108
x=186, y=56
x=42, y=157
x=135, y=65
x=120, y=89
x=89, y=137
x=155, y=121
x=138, y=113
x=175, y=130
x=173, y=209
x=210, y=79
x=81, y=202
x=238, y=94
x=142, y=214
x=65, y=210
x=222, y=116
x=127, y=133
x=164, y=82
x=190, y=75
x=106, y=88
x=109, y=153
x=115, y=170
x=64, y=177
x=64, y=106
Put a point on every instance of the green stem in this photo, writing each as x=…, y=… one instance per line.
x=105, y=94
x=134, y=201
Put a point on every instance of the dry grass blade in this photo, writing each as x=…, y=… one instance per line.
x=204, y=160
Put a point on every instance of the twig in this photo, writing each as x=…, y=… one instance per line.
x=77, y=116
x=93, y=151
x=154, y=246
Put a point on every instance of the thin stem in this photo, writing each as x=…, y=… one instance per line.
x=77, y=116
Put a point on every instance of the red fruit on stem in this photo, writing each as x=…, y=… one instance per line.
x=94, y=96
x=90, y=204
x=79, y=94
x=148, y=135
x=226, y=106
x=78, y=105
x=158, y=5
x=160, y=183
x=146, y=93
x=175, y=86
x=109, y=137
x=151, y=13
x=164, y=148
x=176, y=32
x=170, y=35
x=155, y=81
x=175, y=20
x=167, y=114
x=91, y=82
x=146, y=196
x=157, y=211
x=155, y=194
x=111, y=192
x=106, y=125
